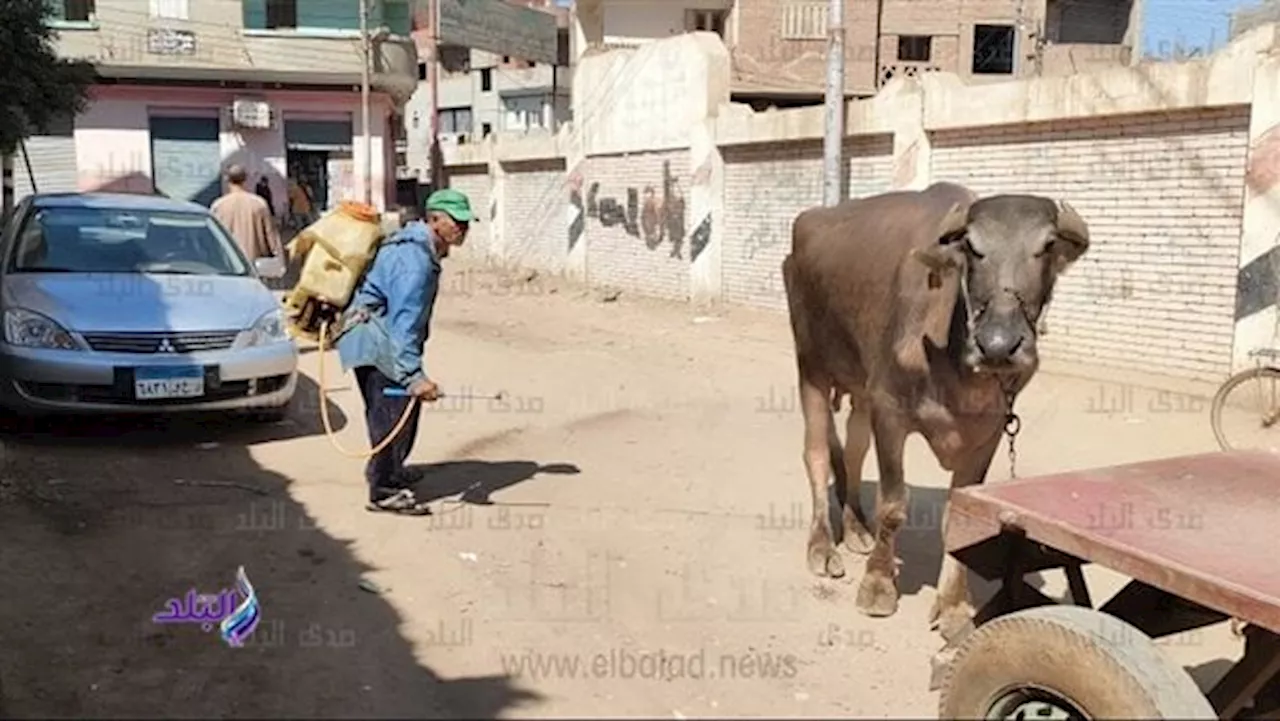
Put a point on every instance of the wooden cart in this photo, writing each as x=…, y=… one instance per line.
x=1199, y=536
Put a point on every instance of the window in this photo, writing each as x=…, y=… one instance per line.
x=804, y=21
x=169, y=9
x=455, y=121
x=523, y=113
x=993, y=49
x=486, y=80
x=84, y=240
x=506, y=58
x=486, y=129
x=417, y=117
x=915, y=48
x=72, y=11
x=711, y=21
x=422, y=71
x=282, y=14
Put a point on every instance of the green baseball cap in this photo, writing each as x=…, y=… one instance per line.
x=451, y=202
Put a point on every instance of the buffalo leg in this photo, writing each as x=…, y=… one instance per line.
x=878, y=593
x=952, y=607
x=815, y=403
x=857, y=441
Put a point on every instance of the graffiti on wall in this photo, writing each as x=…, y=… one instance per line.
x=577, y=224
x=647, y=213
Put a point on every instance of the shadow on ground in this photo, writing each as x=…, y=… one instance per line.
x=101, y=523
x=920, y=540
x=474, y=481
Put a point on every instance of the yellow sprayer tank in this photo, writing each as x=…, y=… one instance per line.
x=338, y=248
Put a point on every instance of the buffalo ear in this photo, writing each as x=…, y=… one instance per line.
x=937, y=258
x=1074, y=233
x=946, y=254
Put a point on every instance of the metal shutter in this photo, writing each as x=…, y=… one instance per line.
x=53, y=163
x=186, y=158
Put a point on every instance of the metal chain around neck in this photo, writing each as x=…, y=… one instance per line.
x=1012, y=426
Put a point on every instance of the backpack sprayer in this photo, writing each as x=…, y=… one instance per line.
x=339, y=248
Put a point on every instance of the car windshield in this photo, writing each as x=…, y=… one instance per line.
x=99, y=240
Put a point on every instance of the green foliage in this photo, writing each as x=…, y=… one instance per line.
x=36, y=86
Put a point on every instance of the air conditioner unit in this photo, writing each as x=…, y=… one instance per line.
x=255, y=114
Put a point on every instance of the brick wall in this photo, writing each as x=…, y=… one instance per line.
x=475, y=182
x=626, y=249
x=534, y=221
x=1162, y=196
x=765, y=186
x=1154, y=158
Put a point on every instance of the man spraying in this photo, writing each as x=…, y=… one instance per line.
x=386, y=327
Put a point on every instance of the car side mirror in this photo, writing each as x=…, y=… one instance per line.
x=271, y=268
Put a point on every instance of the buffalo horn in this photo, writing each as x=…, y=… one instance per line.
x=955, y=221
x=1070, y=223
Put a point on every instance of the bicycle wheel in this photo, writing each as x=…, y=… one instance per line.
x=1250, y=410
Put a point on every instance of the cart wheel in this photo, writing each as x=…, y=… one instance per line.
x=1066, y=662
x=1258, y=404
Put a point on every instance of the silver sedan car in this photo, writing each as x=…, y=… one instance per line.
x=131, y=303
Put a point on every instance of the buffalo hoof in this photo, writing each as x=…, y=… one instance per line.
x=823, y=559
x=878, y=595
x=857, y=539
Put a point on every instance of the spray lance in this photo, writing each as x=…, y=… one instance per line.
x=402, y=393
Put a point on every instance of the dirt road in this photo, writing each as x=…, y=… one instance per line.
x=625, y=536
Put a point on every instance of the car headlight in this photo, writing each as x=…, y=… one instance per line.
x=32, y=330
x=268, y=329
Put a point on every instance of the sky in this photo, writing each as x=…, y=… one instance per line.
x=1197, y=23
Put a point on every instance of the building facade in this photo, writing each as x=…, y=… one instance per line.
x=188, y=87
x=778, y=47
x=480, y=93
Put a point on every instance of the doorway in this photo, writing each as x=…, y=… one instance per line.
x=309, y=168
x=315, y=151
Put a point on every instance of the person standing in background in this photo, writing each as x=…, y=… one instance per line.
x=263, y=189
x=299, y=205
x=248, y=219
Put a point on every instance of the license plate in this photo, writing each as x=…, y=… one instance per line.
x=151, y=384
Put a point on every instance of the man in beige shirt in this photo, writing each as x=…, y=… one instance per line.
x=246, y=216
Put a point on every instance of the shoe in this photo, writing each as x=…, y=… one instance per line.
x=402, y=502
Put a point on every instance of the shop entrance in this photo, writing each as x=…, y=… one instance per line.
x=319, y=159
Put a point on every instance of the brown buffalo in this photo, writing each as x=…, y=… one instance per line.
x=923, y=308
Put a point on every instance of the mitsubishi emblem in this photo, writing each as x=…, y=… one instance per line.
x=166, y=346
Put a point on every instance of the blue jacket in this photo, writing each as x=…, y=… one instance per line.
x=399, y=292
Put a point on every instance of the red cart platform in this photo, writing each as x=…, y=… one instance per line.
x=1199, y=536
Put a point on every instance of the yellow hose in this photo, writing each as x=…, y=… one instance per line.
x=324, y=410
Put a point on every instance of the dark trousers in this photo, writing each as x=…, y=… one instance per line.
x=381, y=413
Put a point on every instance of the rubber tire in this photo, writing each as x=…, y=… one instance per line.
x=1220, y=400
x=1106, y=667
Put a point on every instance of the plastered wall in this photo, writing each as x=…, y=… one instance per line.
x=662, y=187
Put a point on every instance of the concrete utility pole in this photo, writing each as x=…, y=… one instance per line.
x=434, y=151
x=833, y=139
x=367, y=141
